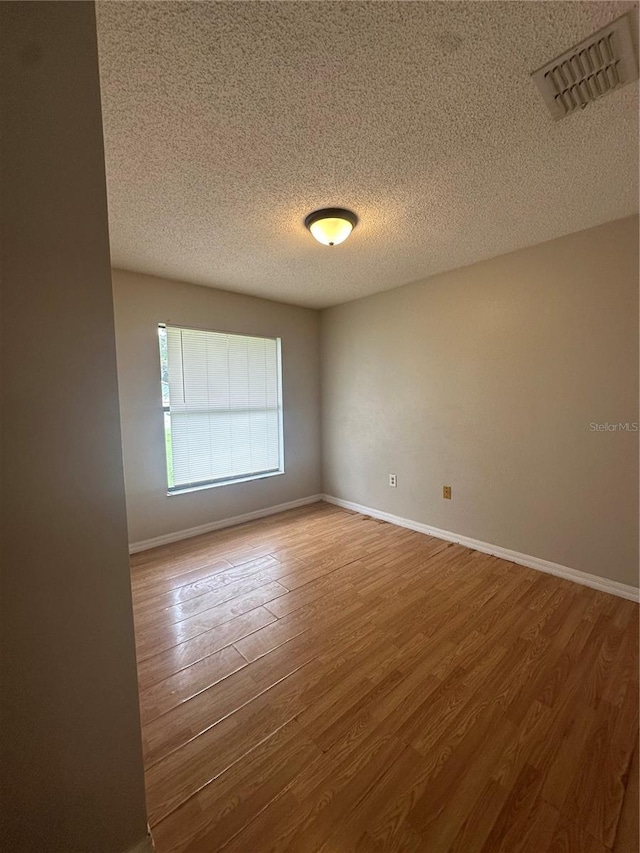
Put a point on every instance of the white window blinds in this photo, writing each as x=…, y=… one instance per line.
x=225, y=406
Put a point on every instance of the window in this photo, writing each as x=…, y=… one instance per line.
x=222, y=400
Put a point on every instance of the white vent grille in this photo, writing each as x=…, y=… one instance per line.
x=599, y=64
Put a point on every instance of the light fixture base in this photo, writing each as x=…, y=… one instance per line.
x=331, y=225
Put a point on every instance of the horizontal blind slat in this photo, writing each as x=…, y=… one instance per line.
x=224, y=402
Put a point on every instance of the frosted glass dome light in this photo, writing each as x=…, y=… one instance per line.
x=332, y=225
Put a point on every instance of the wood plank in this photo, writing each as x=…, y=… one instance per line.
x=227, y=803
x=185, y=601
x=177, y=688
x=321, y=680
x=596, y=796
x=165, y=636
x=161, y=665
x=525, y=821
x=628, y=832
x=568, y=837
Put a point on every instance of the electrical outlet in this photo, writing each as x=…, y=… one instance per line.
x=393, y=481
x=446, y=492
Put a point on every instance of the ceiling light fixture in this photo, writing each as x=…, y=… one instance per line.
x=331, y=225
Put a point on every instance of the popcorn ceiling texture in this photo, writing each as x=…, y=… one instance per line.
x=226, y=123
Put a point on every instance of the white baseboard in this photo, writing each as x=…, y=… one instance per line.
x=594, y=581
x=167, y=538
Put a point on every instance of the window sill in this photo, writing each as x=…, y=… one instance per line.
x=233, y=482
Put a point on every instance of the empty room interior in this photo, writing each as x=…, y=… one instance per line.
x=320, y=427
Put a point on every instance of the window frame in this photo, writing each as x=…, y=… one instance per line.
x=172, y=491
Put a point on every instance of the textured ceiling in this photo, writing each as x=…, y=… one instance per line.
x=226, y=123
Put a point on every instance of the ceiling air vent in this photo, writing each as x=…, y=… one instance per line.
x=599, y=64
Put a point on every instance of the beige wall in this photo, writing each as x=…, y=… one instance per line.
x=71, y=755
x=141, y=302
x=487, y=379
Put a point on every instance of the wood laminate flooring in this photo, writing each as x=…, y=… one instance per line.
x=322, y=681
